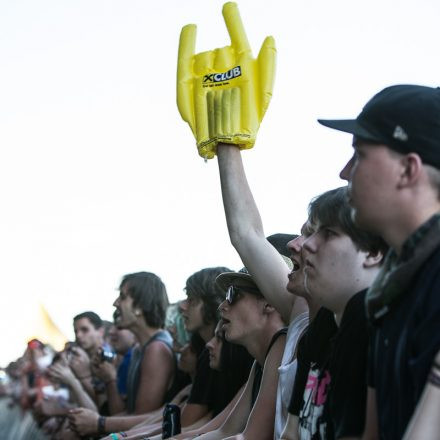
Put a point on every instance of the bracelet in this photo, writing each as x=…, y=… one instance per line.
x=434, y=378
x=123, y=434
x=101, y=425
x=114, y=436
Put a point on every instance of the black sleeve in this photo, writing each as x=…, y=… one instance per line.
x=203, y=391
x=302, y=372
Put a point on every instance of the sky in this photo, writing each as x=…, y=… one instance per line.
x=100, y=177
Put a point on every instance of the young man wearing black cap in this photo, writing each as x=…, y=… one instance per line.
x=394, y=178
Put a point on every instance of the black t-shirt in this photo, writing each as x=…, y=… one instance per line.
x=204, y=389
x=347, y=396
x=313, y=350
x=213, y=388
x=331, y=394
x=312, y=377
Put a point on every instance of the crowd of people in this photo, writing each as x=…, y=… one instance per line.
x=338, y=341
x=329, y=334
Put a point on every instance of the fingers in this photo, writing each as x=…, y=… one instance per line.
x=187, y=44
x=224, y=59
x=266, y=66
x=235, y=28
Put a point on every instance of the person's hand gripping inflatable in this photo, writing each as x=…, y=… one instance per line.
x=224, y=93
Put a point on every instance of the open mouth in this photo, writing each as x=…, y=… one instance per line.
x=225, y=322
x=117, y=315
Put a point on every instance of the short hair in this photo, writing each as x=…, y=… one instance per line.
x=149, y=294
x=279, y=242
x=333, y=209
x=93, y=317
x=202, y=285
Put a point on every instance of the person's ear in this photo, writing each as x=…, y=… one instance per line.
x=372, y=259
x=411, y=169
x=267, y=309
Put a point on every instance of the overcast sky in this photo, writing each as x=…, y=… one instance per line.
x=99, y=175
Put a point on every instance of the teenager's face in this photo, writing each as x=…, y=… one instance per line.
x=127, y=314
x=241, y=318
x=333, y=267
x=214, y=346
x=187, y=359
x=121, y=339
x=295, y=283
x=372, y=174
x=192, y=313
x=86, y=335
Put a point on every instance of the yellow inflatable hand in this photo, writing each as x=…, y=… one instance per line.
x=224, y=93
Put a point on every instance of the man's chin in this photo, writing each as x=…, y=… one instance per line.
x=295, y=288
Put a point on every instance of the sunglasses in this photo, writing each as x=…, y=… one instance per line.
x=233, y=292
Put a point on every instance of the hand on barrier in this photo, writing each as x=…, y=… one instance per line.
x=224, y=93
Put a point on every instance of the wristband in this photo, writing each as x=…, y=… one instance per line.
x=114, y=436
x=123, y=434
x=101, y=425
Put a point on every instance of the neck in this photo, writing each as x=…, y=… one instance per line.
x=143, y=332
x=258, y=343
x=400, y=230
x=313, y=309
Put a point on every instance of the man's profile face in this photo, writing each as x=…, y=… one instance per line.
x=86, y=335
x=295, y=283
x=214, y=346
x=331, y=263
x=126, y=313
x=242, y=317
x=192, y=313
x=372, y=174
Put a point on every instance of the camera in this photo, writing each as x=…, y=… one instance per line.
x=107, y=355
x=171, y=420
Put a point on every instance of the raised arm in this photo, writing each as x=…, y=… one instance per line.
x=246, y=232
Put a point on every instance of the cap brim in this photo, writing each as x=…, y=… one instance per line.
x=349, y=126
x=227, y=279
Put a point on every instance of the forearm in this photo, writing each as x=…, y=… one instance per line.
x=212, y=424
x=116, y=423
x=87, y=385
x=241, y=211
x=115, y=402
x=80, y=396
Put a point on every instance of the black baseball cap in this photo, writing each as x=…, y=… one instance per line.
x=406, y=118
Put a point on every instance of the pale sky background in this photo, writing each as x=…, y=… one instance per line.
x=100, y=177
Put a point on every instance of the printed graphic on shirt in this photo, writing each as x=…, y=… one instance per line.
x=312, y=424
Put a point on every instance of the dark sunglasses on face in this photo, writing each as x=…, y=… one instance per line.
x=233, y=292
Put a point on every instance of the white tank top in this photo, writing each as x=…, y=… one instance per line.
x=287, y=372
